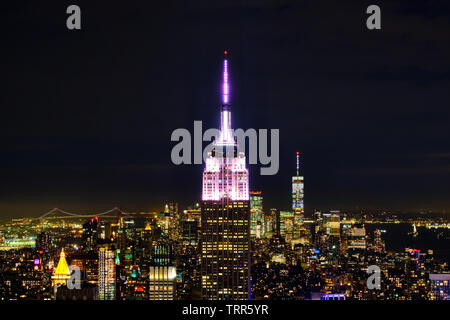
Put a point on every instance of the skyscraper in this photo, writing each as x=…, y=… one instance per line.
x=43, y=242
x=286, y=225
x=297, y=199
x=162, y=273
x=357, y=237
x=90, y=234
x=162, y=282
x=378, y=243
x=269, y=223
x=440, y=286
x=332, y=223
x=106, y=274
x=190, y=232
x=174, y=221
x=225, y=230
x=88, y=264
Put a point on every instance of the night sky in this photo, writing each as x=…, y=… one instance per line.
x=87, y=115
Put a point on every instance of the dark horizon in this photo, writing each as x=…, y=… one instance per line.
x=89, y=113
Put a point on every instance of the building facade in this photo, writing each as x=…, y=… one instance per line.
x=225, y=228
x=256, y=214
x=106, y=274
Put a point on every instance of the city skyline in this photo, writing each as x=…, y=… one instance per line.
x=238, y=238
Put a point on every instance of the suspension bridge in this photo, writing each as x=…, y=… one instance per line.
x=57, y=213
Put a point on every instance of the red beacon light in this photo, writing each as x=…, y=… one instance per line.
x=225, y=52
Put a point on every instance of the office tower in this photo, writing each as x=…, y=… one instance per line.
x=287, y=225
x=190, y=232
x=378, y=243
x=256, y=214
x=162, y=273
x=147, y=240
x=225, y=230
x=164, y=220
x=297, y=199
x=316, y=226
x=173, y=220
x=192, y=222
x=162, y=254
x=61, y=274
x=416, y=258
x=106, y=274
x=128, y=229
x=331, y=228
x=162, y=282
x=440, y=286
x=90, y=234
x=277, y=222
x=122, y=239
x=127, y=237
x=269, y=223
x=193, y=213
x=331, y=223
x=43, y=242
x=104, y=231
x=121, y=271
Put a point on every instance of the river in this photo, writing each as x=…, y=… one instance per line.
x=398, y=237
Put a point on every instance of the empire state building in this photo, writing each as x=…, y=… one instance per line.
x=225, y=231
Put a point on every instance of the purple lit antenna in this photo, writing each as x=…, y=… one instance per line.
x=226, y=134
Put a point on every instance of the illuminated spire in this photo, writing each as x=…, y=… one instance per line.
x=63, y=267
x=225, y=176
x=226, y=134
x=225, y=84
x=298, y=162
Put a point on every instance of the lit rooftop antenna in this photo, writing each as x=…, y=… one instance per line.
x=225, y=84
x=226, y=134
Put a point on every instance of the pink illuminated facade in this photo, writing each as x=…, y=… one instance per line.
x=225, y=228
